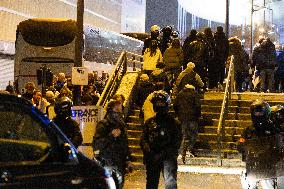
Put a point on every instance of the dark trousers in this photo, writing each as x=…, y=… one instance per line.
x=169, y=170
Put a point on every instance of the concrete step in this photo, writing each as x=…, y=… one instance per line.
x=211, y=161
x=228, y=130
x=239, y=103
x=201, y=156
x=200, y=161
x=138, y=157
x=234, y=123
x=246, y=96
x=214, y=145
x=231, y=109
x=210, y=108
x=213, y=137
x=205, y=145
x=218, y=102
x=133, y=141
x=230, y=116
x=134, y=133
x=226, y=153
x=135, y=126
x=133, y=119
x=228, y=123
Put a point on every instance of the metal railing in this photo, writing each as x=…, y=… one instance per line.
x=126, y=61
x=224, y=109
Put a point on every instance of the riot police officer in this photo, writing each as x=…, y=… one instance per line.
x=64, y=121
x=160, y=142
x=262, y=124
x=259, y=145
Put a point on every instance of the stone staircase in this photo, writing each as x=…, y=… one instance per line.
x=206, y=146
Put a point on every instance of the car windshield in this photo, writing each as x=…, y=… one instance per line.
x=22, y=138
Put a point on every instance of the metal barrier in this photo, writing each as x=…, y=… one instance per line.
x=224, y=109
x=125, y=61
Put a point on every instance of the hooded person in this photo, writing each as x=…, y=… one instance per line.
x=188, y=76
x=166, y=39
x=110, y=141
x=160, y=142
x=187, y=107
x=155, y=32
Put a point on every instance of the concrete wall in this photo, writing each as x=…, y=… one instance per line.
x=162, y=13
x=101, y=13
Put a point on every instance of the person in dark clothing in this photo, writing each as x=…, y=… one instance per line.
x=64, y=121
x=160, y=142
x=110, y=141
x=261, y=122
x=188, y=109
x=259, y=145
x=265, y=61
x=220, y=56
x=144, y=88
x=186, y=44
x=209, y=57
x=197, y=53
x=277, y=116
x=188, y=76
x=241, y=68
x=155, y=32
x=279, y=73
x=166, y=39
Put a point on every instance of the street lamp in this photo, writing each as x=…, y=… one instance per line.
x=251, y=21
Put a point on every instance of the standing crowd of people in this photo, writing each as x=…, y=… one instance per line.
x=172, y=74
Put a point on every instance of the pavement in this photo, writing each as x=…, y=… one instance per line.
x=188, y=180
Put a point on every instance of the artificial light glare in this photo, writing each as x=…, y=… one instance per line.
x=239, y=10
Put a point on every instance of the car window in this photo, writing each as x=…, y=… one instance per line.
x=22, y=138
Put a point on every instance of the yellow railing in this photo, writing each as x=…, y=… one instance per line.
x=224, y=109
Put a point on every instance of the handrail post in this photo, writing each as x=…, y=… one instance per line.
x=223, y=114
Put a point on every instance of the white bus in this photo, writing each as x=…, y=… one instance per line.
x=51, y=42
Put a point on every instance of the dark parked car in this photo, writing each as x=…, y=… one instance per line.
x=34, y=153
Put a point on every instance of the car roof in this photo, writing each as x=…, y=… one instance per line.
x=14, y=99
x=17, y=100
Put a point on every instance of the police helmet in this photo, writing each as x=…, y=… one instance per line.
x=260, y=110
x=175, y=34
x=161, y=101
x=167, y=31
x=63, y=106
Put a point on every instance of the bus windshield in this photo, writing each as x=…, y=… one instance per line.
x=48, y=32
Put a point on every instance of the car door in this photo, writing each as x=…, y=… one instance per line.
x=30, y=155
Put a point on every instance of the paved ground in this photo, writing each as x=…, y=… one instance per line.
x=136, y=180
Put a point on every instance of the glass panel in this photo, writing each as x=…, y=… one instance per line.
x=22, y=138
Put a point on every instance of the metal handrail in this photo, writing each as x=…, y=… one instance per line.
x=223, y=114
x=119, y=71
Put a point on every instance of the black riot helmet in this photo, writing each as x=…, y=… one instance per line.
x=167, y=31
x=260, y=112
x=63, y=107
x=161, y=101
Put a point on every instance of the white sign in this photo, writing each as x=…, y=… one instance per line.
x=80, y=76
x=87, y=117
